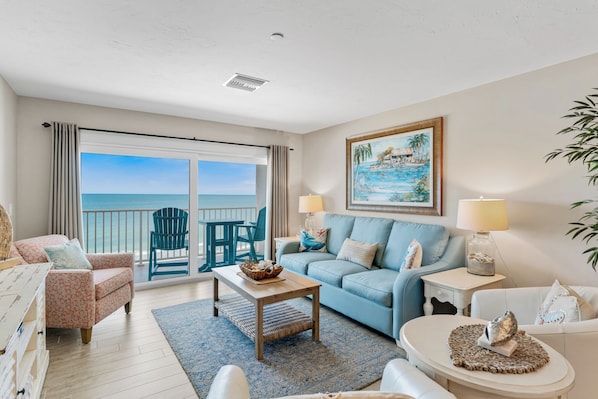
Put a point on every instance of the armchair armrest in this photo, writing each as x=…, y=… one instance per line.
x=70, y=298
x=229, y=383
x=110, y=260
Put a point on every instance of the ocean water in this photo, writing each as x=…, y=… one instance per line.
x=157, y=201
x=122, y=222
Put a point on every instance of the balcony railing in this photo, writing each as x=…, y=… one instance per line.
x=128, y=230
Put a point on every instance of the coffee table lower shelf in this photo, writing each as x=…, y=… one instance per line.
x=280, y=320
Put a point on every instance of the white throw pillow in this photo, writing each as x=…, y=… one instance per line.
x=362, y=253
x=563, y=305
x=413, y=256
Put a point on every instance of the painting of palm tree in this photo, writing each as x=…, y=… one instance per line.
x=396, y=170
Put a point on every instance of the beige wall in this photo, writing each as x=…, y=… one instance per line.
x=8, y=147
x=495, y=140
x=34, y=146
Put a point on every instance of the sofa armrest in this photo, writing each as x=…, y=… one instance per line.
x=287, y=247
x=110, y=260
x=401, y=376
x=408, y=290
x=229, y=383
x=70, y=298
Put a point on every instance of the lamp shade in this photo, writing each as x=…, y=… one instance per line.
x=310, y=204
x=482, y=214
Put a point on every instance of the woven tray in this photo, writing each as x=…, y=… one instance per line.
x=464, y=351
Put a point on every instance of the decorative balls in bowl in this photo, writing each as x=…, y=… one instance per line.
x=260, y=270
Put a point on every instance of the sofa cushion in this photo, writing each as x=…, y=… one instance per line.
x=333, y=271
x=339, y=228
x=32, y=249
x=433, y=239
x=298, y=262
x=68, y=256
x=107, y=281
x=358, y=252
x=372, y=230
x=375, y=285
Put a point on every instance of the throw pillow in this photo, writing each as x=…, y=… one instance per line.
x=317, y=242
x=413, y=256
x=563, y=305
x=358, y=252
x=68, y=256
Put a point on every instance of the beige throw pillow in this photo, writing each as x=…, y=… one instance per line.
x=362, y=253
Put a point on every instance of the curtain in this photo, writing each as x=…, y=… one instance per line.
x=65, y=187
x=278, y=198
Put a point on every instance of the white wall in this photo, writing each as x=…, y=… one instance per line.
x=8, y=147
x=33, y=161
x=495, y=140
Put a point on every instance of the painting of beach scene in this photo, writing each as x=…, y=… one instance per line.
x=397, y=170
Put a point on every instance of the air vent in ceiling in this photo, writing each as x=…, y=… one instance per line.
x=244, y=82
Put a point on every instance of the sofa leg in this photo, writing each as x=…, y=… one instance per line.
x=128, y=306
x=86, y=335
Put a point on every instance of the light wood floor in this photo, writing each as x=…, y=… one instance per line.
x=128, y=356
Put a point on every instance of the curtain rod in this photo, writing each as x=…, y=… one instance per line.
x=46, y=124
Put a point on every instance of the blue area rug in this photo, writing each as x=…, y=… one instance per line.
x=347, y=357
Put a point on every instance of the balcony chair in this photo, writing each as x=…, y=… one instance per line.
x=251, y=233
x=170, y=234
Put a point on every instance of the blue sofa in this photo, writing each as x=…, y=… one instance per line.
x=381, y=297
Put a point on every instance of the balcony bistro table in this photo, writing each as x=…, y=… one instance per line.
x=212, y=241
x=425, y=339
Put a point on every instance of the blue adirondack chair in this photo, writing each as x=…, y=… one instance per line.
x=251, y=233
x=170, y=234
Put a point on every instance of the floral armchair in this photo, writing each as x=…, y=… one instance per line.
x=80, y=298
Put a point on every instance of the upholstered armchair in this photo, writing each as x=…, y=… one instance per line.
x=576, y=341
x=81, y=298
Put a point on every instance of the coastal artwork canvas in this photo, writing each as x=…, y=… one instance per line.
x=397, y=170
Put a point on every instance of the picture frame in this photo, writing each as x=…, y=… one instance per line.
x=398, y=169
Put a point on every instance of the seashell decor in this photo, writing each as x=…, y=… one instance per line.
x=501, y=329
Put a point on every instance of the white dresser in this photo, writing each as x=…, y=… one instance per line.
x=23, y=354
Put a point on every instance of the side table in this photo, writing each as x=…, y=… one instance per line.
x=456, y=286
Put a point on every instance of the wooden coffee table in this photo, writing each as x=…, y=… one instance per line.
x=260, y=312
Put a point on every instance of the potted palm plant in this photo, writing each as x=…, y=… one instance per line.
x=583, y=149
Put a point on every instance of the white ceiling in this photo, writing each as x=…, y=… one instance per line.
x=340, y=59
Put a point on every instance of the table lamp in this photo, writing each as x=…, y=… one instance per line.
x=482, y=216
x=310, y=204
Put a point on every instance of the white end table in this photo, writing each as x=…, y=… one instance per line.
x=456, y=286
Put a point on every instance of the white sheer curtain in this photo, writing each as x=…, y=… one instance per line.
x=65, y=187
x=278, y=197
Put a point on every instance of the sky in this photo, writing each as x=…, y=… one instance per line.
x=118, y=174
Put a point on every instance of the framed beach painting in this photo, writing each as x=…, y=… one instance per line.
x=397, y=170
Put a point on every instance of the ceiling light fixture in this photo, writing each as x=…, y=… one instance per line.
x=244, y=82
x=276, y=36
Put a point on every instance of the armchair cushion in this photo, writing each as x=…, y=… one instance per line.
x=68, y=256
x=107, y=281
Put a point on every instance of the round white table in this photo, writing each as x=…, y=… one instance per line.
x=425, y=339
